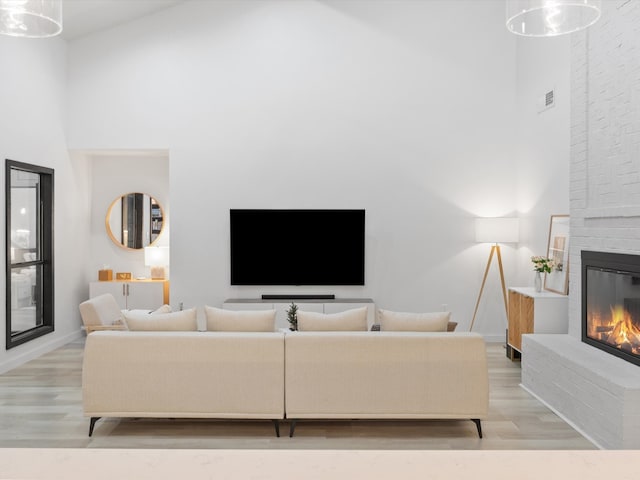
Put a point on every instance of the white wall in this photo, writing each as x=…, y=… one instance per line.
x=114, y=174
x=542, y=143
x=32, y=121
x=404, y=108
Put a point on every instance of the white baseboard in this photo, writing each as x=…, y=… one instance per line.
x=23, y=358
x=573, y=425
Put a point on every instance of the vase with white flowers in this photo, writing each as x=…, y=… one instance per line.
x=541, y=265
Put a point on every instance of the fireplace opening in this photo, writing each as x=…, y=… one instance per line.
x=611, y=303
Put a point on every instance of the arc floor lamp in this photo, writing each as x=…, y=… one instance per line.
x=495, y=230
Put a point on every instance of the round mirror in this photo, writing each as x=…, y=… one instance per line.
x=134, y=220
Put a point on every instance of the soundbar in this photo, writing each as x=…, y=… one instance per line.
x=299, y=297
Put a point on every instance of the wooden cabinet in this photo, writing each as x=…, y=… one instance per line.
x=535, y=312
x=520, y=317
x=320, y=306
x=134, y=294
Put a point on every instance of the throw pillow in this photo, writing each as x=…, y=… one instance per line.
x=185, y=320
x=413, y=322
x=162, y=309
x=354, y=320
x=219, y=320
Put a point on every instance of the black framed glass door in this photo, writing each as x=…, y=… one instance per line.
x=29, y=252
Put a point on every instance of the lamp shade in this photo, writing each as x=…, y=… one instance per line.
x=156, y=256
x=30, y=18
x=497, y=230
x=548, y=18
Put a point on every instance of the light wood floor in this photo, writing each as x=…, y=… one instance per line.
x=41, y=406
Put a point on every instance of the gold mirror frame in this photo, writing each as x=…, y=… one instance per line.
x=153, y=234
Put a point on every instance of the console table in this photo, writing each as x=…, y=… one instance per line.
x=134, y=294
x=321, y=306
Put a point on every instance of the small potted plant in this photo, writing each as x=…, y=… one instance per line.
x=292, y=317
x=541, y=265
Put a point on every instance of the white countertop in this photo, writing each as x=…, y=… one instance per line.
x=97, y=464
x=531, y=292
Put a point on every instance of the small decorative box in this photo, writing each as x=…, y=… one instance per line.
x=105, y=275
x=123, y=276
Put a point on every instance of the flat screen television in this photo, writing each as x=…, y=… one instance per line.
x=297, y=247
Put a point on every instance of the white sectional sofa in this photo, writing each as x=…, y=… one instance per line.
x=183, y=375
x=386, y=375
x=297, y=375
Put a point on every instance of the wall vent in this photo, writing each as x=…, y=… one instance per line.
x=547, y=100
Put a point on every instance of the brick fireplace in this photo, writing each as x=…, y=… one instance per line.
x=595, y=384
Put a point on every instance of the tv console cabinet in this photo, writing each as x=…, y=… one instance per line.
x=311, y=305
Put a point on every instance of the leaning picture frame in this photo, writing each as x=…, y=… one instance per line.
x=558, y=250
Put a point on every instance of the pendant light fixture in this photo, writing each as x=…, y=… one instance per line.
x=30, y=18
x=549, y=18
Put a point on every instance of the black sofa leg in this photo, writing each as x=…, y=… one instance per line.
x=478, y=426
x=292, y=428
x=276, y=424
x=93, y=424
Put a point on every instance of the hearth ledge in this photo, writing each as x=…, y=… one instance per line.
x=597, y=393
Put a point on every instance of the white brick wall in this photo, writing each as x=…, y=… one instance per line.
x=605, y=140
x=597, y=392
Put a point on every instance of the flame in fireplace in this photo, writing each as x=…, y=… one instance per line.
x=623, y=331
x=617, y=329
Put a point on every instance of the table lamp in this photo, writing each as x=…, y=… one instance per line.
x=495, y=230
x=157, y=258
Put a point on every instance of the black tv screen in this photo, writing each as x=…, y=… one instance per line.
x=297, y=247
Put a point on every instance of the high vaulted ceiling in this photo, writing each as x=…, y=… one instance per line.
x=83, y=17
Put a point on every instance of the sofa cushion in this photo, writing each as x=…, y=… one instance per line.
x=184, y=374
x=163, y=309
x=220, y=320
x=185, y=320
x=100, y=310
x=332, y=375
x=353, y=320
x=413, y=322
